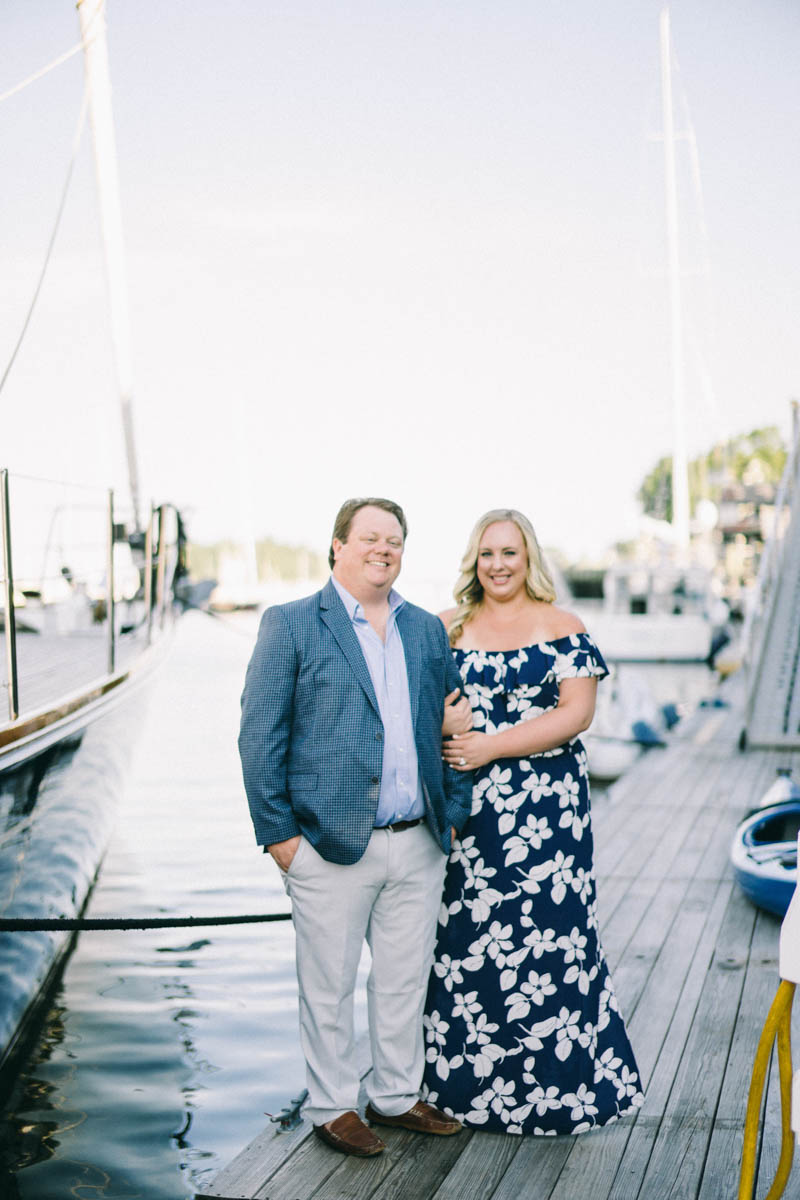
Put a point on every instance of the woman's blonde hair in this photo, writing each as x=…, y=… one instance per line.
x=468, y=592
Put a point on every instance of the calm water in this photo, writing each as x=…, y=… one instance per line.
x=164, y=1050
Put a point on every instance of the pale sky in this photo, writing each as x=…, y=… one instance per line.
x=410, y=249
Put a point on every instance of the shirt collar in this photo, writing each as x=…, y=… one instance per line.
x=354, y=610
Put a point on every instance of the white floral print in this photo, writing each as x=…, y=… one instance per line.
x=522, y=1029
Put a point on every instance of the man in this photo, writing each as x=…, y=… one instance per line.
x=341, y=754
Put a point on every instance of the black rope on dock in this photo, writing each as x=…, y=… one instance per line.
x=81, y=924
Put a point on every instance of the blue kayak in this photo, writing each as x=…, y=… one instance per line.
x=764, y=854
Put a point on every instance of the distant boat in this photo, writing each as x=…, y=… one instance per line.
x=764, y=849
x=666, y=613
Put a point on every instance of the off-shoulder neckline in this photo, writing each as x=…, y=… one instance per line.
x=567, y=637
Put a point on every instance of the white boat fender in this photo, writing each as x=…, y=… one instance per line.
x=782, y=788
x=789, y=945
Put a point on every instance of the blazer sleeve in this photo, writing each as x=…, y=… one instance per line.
x=457, y=784
x=265, y=730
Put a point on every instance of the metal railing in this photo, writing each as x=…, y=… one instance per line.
x=757, y=619
x=73, y=571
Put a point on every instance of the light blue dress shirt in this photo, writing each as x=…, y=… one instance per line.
x=400, y=797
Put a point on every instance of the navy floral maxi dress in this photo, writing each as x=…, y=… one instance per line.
x=523, y=1032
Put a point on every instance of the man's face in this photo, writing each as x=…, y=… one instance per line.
x=368, y=563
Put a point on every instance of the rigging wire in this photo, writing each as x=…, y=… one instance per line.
x=85, y=41
x=62, y=58
x=39, y=74
x=75, y=147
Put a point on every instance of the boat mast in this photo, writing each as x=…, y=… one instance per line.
x=680, y=465
x=93, y=32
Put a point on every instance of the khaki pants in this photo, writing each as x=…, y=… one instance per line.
x=391, y=897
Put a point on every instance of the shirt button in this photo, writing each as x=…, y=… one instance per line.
x=378, y=737
x=375, y=779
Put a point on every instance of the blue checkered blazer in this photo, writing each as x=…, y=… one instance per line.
x=311, y=737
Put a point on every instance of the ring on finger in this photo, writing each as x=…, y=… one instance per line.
x=462, y=762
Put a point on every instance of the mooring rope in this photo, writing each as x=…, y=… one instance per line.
x=81, y=924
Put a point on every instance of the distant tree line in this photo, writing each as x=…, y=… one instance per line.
x=274, y=560
x=725, y=463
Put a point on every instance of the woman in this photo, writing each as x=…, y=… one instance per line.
x=523, y=1032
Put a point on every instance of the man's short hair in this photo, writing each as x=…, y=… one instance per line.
x=344, y=518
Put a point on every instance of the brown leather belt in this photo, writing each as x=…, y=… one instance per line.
x=400, y=825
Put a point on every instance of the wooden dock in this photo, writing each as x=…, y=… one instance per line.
x=695, y=968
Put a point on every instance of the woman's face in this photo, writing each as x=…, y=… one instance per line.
x=502, y=560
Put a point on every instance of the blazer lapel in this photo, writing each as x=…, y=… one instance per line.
x=334, y=614
x=411, y=650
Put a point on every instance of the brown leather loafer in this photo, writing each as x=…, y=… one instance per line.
x=422, y=1118
x=349, y=1134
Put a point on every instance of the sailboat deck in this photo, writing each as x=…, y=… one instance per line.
x=52, y=665
x=695, y=967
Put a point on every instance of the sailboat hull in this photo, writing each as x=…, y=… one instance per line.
x=57, y=811
x=646, y=637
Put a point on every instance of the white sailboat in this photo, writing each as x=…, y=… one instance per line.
x=75, y=681
x=664, y=611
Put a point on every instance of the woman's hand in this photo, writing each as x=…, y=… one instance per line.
x=457, y=714
x=468, y=751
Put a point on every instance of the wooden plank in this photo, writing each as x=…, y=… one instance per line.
x=535, y=1168
x=242, y=1178
x=594, y=1162
x=679, y=1152
x=677, y=860
x=300, y=1176
x=592, y=1166
x=637, y=963
x=654, y=781
x=660, y=1026
x=653, y=919
x=480, y=1168
x=424, y=1167
x=618, y=931
x=613, y=888
x=721, y=1170
x=658, y=1060
x=671, y=819
x=663, y=827
x=359, y=1178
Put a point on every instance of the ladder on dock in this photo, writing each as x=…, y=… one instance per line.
x=772, y=718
